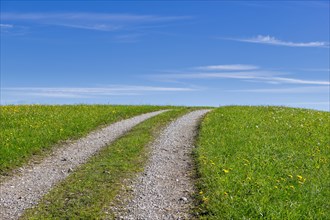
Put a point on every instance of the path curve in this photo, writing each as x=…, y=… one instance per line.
x=24, y=190
x=164, y=189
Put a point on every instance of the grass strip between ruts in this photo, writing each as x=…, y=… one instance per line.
x=30, y=131
x=88, y=192
x=264, y=163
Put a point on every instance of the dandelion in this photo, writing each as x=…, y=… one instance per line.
x=301, y=180
x=201, y=193
x=246, y=162
x=205, y=199
x=225, y=171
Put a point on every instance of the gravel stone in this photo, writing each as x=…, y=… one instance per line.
x=164, y=190
x=26, y=188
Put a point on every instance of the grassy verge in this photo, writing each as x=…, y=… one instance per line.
x=29, y=130
x=88, y=192
x=264, y=162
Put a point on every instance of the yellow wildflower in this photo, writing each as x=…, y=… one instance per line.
x=205, y=199
x=247, y=161
x=225, y=171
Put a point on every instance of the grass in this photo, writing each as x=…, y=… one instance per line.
x=89, y=191
x=264, y=163
x=32, y=129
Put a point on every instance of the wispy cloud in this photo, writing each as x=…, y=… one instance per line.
x=90, y=17
x=90, y=21
x=6, y=26
x=261, y=39
x=97, y=27
x=75, y=92
x=257, y=76
x=297, y=81
x=214, y=75
x=228, y=67
x=302, y=90
x=315, y=69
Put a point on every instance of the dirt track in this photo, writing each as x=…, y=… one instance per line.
x=164, y=190
x=25, y=189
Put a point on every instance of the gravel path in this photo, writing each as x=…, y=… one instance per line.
x=24, y=190
x=164, y=190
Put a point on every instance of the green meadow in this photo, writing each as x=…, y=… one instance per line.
x=264, y=163
x=251, y=162
x=28, y=130
x=89, y=191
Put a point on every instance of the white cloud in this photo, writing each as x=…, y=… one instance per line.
x=229, y=67
x=213, y=75
x=298, y=81
x=11, y=29
x=311, y=89
x=91, y=21
x=98, y=27
x=261, y=39
x=90, y=17
x=6, y=26
x=255, y=76
x=315, y=69
x=115, y=90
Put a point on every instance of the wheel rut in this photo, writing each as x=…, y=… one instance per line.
x=164, y=190
x=25, y=189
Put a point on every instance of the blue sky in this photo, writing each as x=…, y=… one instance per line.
x=166, y=52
